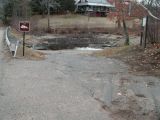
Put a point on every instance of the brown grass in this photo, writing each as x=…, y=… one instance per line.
x=141, y=61
x=78, y=21
x=30, y=54
x=111, y=52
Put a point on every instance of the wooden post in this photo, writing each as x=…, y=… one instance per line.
x=23, y=43
x=146, y=31
x=126, y=32
x=141, y=40
x=88, y=21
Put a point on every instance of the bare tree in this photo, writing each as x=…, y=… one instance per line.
x=153, y=6
x=48, y=4
x=120, y=15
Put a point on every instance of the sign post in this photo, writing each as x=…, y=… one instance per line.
x=24, y=26
x=23, y=42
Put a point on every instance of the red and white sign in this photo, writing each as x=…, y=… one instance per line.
x=24, y=26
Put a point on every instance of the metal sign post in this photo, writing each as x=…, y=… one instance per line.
x=24, y=26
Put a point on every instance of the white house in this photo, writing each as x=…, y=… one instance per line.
x=98, y=7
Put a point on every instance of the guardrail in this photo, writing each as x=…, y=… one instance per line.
x=12, y=44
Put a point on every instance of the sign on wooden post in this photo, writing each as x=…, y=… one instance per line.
x=24, y=26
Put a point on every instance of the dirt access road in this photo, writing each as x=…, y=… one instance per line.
x=52, y=89
x=69, y=85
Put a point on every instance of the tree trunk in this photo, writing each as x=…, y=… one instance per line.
x=48, y=17
x=126, y=32
x=125, y=27
x=119, y=23
x=43, y=14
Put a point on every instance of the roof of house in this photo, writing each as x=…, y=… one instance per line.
x=94, y=3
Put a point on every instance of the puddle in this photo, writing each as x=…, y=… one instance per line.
x=72, y=42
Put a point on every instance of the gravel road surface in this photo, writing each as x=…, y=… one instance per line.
x=67, y=85
x=52, y=89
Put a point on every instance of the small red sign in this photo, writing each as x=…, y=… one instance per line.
x=24, y=26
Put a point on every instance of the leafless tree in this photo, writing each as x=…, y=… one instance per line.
x=153, y=6
x=47, y=4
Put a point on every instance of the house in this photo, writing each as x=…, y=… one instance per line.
x=96, y=7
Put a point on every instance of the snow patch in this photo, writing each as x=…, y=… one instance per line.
x=88, y=48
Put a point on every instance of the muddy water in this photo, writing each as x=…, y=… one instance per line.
x=72, y=42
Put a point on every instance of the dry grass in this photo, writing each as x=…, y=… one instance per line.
x=30, y=54
x=78, y=21
x=141, y=61
x=110, y=52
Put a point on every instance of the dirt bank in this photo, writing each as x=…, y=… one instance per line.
x=141, y=61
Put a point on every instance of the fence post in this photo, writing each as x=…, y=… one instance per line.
x=141, y=40
x=145, y=33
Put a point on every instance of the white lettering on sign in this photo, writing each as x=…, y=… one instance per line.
x=24, y=26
